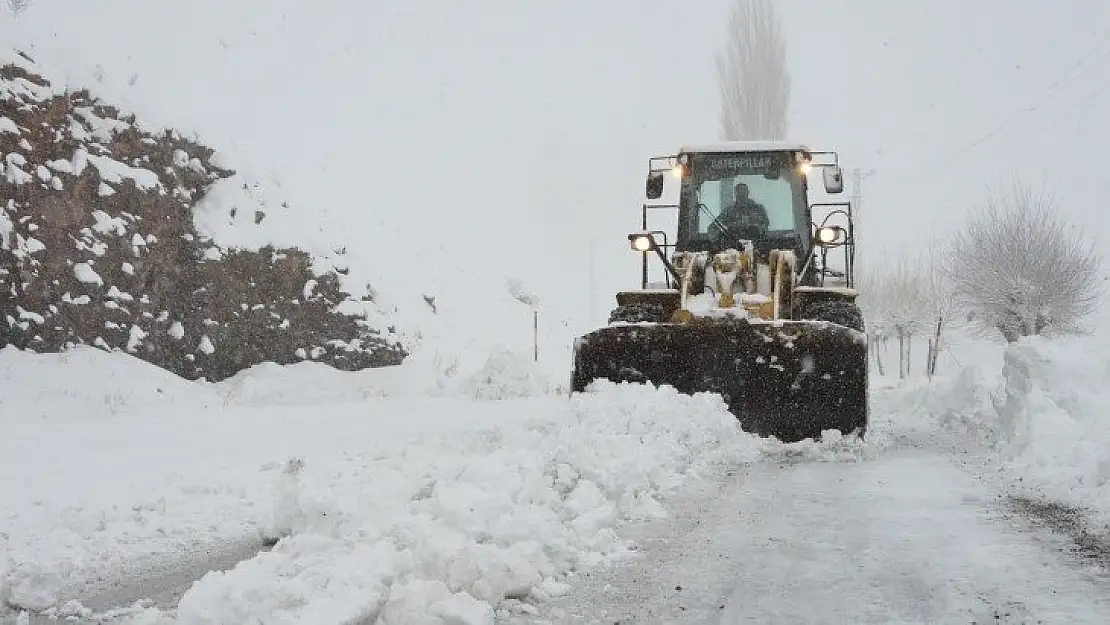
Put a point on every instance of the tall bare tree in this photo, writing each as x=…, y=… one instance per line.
x=1018, y=269
x=18, y=6
x=753, y=78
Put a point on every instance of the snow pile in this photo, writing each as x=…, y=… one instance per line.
x=952, y=411
x=452, y=528
x=505, y=375
x=1053, y=420
x=832, y=447
x=508, y=375
x=306, y=384
x=466, y=339
x=117, y=475
x=1039, y=419
x=36, y=385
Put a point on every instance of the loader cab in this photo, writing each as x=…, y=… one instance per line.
x=773, y=175
x=711, y=183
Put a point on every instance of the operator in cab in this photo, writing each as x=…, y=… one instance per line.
x=745, y=216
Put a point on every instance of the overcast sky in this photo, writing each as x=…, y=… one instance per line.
x=521, y=130
x=908, y=88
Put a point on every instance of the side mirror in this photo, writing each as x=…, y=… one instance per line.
x=834, y=179
x=654, y=187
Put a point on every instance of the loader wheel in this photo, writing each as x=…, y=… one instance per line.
x=846, y=314
x=637, y=313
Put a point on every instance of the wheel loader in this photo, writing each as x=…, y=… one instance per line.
x=762, y=311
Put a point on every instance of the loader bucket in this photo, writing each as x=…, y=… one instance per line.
x=787, y=379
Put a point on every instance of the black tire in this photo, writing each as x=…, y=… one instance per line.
x=846, y=314
x=637, y=313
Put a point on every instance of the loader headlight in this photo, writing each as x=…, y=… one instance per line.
x=804, y=168
x=830, y=235
x=641, y=242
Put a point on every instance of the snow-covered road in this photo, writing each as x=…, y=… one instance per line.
x=907, y=537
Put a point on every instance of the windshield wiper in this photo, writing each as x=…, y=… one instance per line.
x=716, y=220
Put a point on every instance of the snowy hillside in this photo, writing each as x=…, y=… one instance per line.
x=129, y=239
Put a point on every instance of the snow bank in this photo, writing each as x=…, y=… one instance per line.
x=451, y=528
x=951, y=411
x=1053, y=421
x=86, y=382
x=832, y=447
x=505, y=375
x=508, y=375
x=311, y=383
x=392, y=501
x=1036, y=416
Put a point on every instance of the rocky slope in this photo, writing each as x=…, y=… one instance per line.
x=106, y=238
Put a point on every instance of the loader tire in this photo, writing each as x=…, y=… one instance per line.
x=637, y=313
x=846, y=314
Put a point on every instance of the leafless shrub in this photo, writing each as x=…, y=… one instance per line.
x=18, y=6
x=1017, y=268
x=896, y=301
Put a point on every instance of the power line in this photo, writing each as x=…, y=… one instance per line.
x=1032, y=107
x=1067, y=77
x=1089, y=98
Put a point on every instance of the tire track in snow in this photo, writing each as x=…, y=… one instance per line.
x=162, y=589
x=1072, y=523
x=907, y=537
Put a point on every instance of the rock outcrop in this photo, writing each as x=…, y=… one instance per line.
x=99, y=245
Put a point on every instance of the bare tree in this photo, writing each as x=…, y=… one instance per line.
x=753, y=78
x=940, y=311
x=1018, y=269
x=18, y=6
x=908, y=301
x=902, y=299
x=876, y=312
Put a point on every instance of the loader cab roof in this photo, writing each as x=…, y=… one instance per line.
x=744, y=146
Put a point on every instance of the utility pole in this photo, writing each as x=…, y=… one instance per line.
x=593, y=281
x=858, y=176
